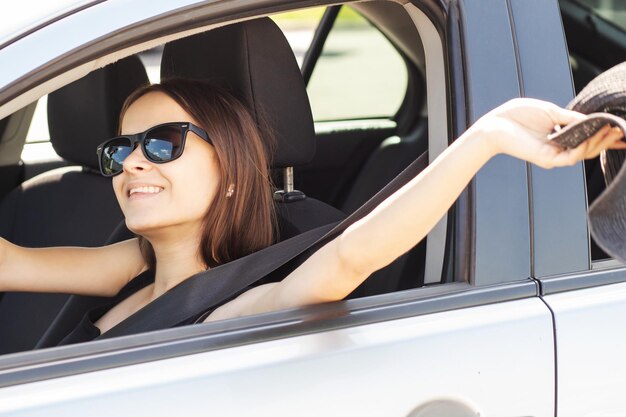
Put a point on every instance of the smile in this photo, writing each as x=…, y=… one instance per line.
x=145, y=190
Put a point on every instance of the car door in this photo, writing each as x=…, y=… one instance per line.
x=476, y=340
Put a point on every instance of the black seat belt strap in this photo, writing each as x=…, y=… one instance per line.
x=210, y=288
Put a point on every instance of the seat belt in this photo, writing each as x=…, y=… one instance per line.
x=210, y=288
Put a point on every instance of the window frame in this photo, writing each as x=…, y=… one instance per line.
x=67, y=360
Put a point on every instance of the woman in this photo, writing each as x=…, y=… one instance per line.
x=197, y=193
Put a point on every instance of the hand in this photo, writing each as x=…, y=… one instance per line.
x=520, y=128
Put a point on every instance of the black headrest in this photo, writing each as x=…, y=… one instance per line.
x=254, y=61
x=85, y=113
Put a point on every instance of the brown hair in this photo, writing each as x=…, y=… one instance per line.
x=245, y=222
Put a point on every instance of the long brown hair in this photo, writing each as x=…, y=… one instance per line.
x=244, y=222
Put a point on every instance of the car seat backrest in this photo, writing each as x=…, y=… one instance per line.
x=388, y=160
x=13, y=132
x=254, y=61
x=70, y=206
x=392, y=156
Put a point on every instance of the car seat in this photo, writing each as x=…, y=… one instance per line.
x=392, y=156
x=13, y=132
x=254, y=61
x=69, y=206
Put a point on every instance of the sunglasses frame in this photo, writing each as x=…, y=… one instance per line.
x=139, y=138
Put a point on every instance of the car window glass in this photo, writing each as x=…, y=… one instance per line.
x=612, y=10
x=38, y=130
x=359, y=73
x=30, y=13
x=299, y=27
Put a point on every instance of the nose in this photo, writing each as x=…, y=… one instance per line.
x=136, y=162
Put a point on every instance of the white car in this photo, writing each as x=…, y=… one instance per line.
x=503, y=311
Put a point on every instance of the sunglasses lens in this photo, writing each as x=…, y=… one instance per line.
x=164, y=143
x=114, y=154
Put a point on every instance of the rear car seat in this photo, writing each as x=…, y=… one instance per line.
x=13, y=131
x=384, y=164
x=70, y=206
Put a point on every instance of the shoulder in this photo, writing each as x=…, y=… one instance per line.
x=245, y=304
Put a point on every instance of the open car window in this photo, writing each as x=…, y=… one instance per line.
x=368, y=151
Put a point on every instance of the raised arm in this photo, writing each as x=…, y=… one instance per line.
x=518, y=128
x=91, y=271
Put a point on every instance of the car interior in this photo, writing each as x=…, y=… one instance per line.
x=324, y=167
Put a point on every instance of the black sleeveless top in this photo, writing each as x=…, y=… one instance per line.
x=86, y=330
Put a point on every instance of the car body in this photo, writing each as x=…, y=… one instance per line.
x=513, y=317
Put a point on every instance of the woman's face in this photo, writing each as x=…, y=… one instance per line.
x=169, y=198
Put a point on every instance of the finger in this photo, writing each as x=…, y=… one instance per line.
x=612, y=140
x=594, y=142
x=619, y=132
x=600, y=140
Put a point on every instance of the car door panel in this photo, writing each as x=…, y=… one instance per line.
x=495, y=359
x=590, y=347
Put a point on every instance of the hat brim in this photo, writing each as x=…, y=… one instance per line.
x=574, y=134
x=607, y=218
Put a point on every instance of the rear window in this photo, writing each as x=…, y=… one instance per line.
x=612, y=10
x=359, y=75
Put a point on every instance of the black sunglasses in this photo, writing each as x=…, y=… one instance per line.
x=159, y=144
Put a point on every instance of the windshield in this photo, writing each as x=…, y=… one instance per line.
x=20, y=16
x=612, y=10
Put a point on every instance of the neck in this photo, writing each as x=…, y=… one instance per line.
x=176, y=260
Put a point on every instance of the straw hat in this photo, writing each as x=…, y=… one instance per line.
x=604, y=100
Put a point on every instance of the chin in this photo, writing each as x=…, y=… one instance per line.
x=141, y=227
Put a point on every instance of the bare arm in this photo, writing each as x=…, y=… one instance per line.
x=89, y=271
x=518, y=128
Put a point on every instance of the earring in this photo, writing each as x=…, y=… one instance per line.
x=231, y=190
